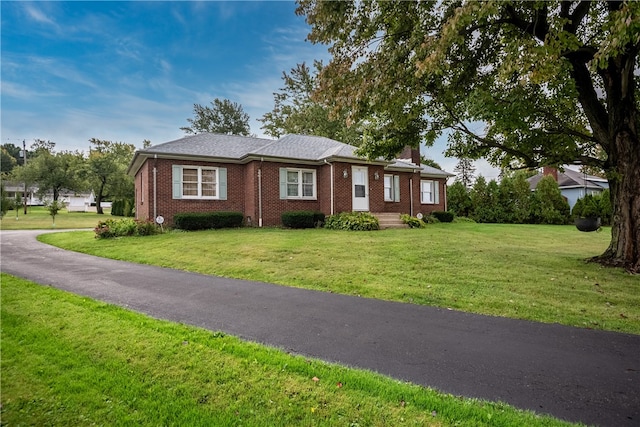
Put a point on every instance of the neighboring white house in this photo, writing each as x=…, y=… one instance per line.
x=573, y=184
x=75, y=202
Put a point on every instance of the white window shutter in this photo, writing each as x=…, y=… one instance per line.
x=283, y=183
x=177, y=181
x=222, y=183
x=436, y=192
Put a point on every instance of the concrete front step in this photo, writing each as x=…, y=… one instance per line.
x=389, y=220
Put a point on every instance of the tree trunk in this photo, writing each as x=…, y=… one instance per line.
x=624, y=184
x=99, y=200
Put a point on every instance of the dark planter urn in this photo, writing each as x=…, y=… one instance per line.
x=588, y=224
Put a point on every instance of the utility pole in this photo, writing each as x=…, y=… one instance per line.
x=24, y=163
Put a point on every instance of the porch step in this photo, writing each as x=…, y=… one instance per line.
x=389, y=220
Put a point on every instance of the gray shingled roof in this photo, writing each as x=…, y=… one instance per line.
x=431, y=171
x=305, y=147
x=294, y=147
x=211, y=145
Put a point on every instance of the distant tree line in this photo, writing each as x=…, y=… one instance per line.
x=512, y=202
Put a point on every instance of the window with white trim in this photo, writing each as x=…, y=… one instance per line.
x=297, y=183
x=391, y=188
x=199, y=182
x=429, y=192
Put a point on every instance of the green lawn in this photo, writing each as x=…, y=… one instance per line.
x=532, y=272
x=72, y=361
x=37, y=218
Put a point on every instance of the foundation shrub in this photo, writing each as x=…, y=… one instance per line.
x=354, y=221
x=207, y=220
x=303, y=219
x=412, y=221
x=443, y=216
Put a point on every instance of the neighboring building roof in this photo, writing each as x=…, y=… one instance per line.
x=572, y=179
x=294, y=148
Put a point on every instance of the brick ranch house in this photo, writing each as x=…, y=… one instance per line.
x=263, y=178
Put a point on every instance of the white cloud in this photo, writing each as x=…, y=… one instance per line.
x=38, y=15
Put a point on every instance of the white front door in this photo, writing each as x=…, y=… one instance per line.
x=360, y=188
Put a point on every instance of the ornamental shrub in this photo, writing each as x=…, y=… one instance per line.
x=302, y=219
x=443, y=216
x=124, y=227
x=207, y=220
x=412, y=221
x=355, y=221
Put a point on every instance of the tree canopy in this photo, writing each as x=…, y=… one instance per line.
x=295, y=111
x=522, y=84
x=223, y=117
x=107, y=170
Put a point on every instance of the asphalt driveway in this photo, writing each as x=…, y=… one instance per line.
x=573, y=374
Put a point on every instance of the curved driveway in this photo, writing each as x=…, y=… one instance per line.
x=573, y=374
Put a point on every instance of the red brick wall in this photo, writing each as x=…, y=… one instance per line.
x=168, y=207
x=272, y=205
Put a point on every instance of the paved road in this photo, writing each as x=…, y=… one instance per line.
x=573, y=374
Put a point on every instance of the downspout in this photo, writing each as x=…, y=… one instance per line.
x=411, y=196
x=331, y=185
x=260, y=194
x=155, y=187
x=444, y=186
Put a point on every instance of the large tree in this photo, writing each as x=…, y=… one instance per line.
x=107, y=170
x=522, y=84
x=223, y=116
x=295, y=111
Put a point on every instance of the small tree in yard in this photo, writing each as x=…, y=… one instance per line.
x=53, y=207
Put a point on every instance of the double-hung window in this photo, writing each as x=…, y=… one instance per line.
x=297, y=183
x=199, y=182
x=429, y=192
x=391, y=188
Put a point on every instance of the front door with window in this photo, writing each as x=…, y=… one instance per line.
x=360, y=188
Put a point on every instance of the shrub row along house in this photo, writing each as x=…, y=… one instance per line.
x=264, y=178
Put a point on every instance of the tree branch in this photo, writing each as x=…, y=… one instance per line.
x=488, y=142
x=578, y=15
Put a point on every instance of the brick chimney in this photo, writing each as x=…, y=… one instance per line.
x=411, y=153
x=550, y=170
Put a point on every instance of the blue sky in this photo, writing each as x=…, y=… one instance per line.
x=129, y=71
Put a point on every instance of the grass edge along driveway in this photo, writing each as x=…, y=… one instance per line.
x=70, y=360
x=530, y=272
